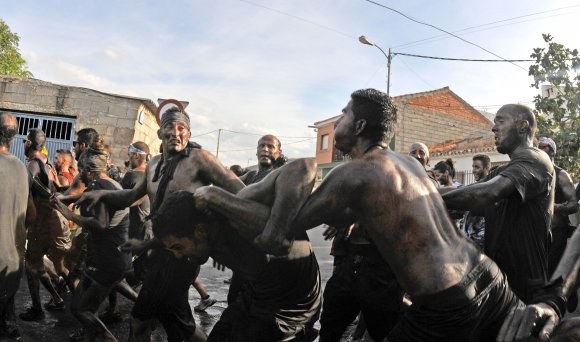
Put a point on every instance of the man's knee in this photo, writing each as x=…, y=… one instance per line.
x=35, y=268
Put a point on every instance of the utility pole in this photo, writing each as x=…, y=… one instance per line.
x=389, y=57
x=217, y=150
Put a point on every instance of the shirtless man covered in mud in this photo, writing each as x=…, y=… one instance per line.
x=181, y=166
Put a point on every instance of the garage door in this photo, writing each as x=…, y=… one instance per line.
x=60, y=132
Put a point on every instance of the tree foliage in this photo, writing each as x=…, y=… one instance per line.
x=11, y=62
x=559, y=115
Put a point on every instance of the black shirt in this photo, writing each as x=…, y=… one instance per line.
x=518, y=227
x=102, y=244
x=138, y=227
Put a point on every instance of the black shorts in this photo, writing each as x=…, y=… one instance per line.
x=244, y=321
x=164, y=294
x=472, y=310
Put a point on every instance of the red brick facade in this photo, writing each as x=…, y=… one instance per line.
x=430, y=117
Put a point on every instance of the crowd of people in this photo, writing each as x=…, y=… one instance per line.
x=417, y=256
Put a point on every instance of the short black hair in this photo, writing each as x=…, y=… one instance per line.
x=88, y=136
x=8, y=128
x=379, y=112
x=271, y=136
x=37, y=138
x=177, y=216
x=485, y=161
x=446, y=165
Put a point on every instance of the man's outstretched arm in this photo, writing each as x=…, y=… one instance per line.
x=115, y=198
x=476, y=197
x=249, y=210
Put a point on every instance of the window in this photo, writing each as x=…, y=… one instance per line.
x=324, y=142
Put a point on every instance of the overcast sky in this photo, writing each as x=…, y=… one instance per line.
x=257, y=67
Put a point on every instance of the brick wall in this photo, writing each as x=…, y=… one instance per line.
x=432, y=127
x=113, y=116
x=325, y=156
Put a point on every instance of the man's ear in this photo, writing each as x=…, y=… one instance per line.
x=359, y=126
x=200, y=232
x=159, y=134
x=523, y=126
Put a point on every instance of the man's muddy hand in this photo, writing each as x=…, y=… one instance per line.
x=276, y=245
x=522, y=324
x=57, y=204
x=90, y=198
x=134, y=246
x=201, y=196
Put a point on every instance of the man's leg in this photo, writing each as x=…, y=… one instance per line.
x=85, y=304
x=339, y=306
x=205, y=301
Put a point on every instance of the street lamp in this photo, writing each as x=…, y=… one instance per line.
x=366, y=41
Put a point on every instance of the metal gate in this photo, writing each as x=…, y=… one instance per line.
x=59, y=132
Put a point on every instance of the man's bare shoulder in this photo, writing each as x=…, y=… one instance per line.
x=203, y=159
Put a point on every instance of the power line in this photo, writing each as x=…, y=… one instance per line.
x=493, y=23
x=464, y=59
x=442, y=30
x=261, y=134
x=199, y=135
x=247, y=133
x=299, y=18
x=254, y=148
x=416, y=74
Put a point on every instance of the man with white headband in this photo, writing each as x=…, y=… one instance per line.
x=138, y=155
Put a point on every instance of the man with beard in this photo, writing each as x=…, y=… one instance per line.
x=48, y=235
x=444, y=173
x=458, y=293
x=14, y=199
x=517, y=199
x=473, y=226
x=181, y=166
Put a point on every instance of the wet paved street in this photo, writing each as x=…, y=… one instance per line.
x=56, y=326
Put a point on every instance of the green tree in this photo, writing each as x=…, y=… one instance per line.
x=559, y=115
x=11, y=62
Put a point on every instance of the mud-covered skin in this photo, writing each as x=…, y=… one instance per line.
x=198, y=169
x=392, y=197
